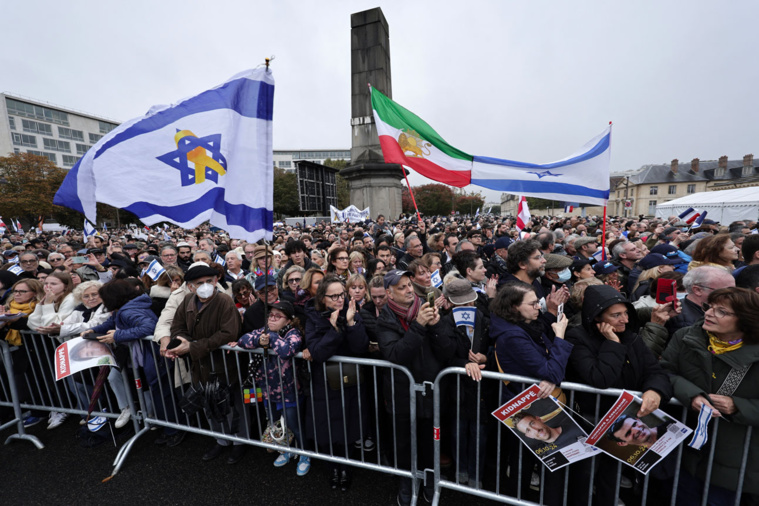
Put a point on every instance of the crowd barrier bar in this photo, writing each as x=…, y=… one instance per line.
x=170, y=393
x=10, y=399
x=570, y=389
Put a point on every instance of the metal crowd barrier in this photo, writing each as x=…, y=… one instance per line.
x=494, y=489
x=373, y=421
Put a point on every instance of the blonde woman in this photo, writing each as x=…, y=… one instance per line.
x=57, y=303
x=357, y=289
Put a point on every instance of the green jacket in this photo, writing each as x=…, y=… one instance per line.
x=698, y=372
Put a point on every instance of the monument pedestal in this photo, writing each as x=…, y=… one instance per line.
x=376, y=186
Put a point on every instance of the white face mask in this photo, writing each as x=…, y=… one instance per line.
x=205, y=290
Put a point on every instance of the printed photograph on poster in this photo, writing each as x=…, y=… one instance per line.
x=639, y=442
x=79, y=354
x=545, y=428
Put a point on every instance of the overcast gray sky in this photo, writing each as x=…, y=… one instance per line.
x=528, y=81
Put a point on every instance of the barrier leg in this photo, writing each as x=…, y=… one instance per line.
x=21, y=432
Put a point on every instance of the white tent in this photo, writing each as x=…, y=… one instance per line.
x=723, y=206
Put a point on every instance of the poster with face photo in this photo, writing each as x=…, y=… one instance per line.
x=639, y=442
x=545, y=428
x=79, y=354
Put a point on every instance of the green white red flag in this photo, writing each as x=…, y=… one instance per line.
x=408, y=140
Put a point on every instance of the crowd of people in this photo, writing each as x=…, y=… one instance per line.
x=545, y=305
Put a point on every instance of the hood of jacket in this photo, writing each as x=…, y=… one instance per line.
x=600, y=297
x=142, y=302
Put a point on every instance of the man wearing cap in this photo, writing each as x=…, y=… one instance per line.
x=647, y=262
x=267, y=294
x=205, y=320
x=497, y=264
x=557, y=273
x=585, y=247
x=410, y=334
x=184, y=256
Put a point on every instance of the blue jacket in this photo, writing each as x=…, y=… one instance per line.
x=133, y=321
x=519, y=354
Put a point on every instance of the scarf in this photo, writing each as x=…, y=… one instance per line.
x=718, y=347
x=13, y=336
x=406, y=315
x=535, y=331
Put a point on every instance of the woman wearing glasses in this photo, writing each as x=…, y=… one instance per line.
x=713, y=365
x=25, y=295
x=334, y=327
x=339, y=261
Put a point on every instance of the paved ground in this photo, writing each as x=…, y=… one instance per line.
x=66, y=473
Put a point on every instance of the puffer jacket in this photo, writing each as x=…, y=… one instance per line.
x=275, y=377
x=601, y=363
x=133, y=321
x=424, y=350
x=696, y=371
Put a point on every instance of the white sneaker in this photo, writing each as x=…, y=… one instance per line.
x=56, y=419
x=282, y=460
x=123, y=418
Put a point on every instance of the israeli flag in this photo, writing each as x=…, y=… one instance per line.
x=437, y=281
x=464, y=316
x=599, y=255
x=219, y=260
x=581, y=177
x=89, y=230
x=154, y=270
x=204, y=158
x=16, y=269
x=701, y=434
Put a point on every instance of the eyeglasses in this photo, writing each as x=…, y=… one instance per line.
x=29, y=261
x=533, y=304
x=718, y=311
x=21, y=291
x=168, y=255
x=707, y=287
x=56, y=260
x=342, y=258
x=294, y=280
x=336, y=296
x=276, y=317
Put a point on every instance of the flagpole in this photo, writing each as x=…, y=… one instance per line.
x=603, y=237
x=413, y=200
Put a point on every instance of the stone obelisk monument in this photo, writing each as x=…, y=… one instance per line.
x=373, y=183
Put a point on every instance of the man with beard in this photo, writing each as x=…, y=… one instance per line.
x=184, y=256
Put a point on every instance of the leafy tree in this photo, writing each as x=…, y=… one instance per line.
x=28, y=185
x=432, y=199
x=286, y=201
x=468, y=204
x=343, y=188
x=496, y=210
x=537, y=204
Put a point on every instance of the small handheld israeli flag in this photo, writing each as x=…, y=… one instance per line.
x=89, y=230
x=154, y=270
x=464, y=316
x=599, y=255
x=437, y=281
x=219, y=260
x=16, y=269
x=701, y=434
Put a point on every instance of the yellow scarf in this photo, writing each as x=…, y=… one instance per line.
x=13, y=336
x=718, y=347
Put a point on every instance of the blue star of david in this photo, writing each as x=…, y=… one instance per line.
x=178, y=158
x=543, y=174
x=465, y=316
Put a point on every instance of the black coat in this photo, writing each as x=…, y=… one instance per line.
x=601, y=363
x=423, y=350
x=690, y=314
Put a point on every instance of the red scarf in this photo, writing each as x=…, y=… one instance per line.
x=406, y=315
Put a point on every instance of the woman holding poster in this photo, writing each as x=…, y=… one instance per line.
x=525, y=347
x=714, y=366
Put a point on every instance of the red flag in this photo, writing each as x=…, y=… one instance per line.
x=523, y=213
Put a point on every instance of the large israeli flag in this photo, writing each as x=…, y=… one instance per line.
x=207, y=157
x=581, y=177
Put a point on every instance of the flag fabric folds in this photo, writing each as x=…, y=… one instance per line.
x=89, y=230
x=581, y=177
x=699, y=220
x=154, y=270
x=19, y=227
x=205, y=158
x=690, y=215
x=436, y=279
x=408, y=140
x=568, y=207
x=523, y=214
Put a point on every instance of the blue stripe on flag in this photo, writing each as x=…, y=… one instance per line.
x=596, y=150
x=249, y=218
x=67, y=195
x=519, y=186
x=247, y=97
